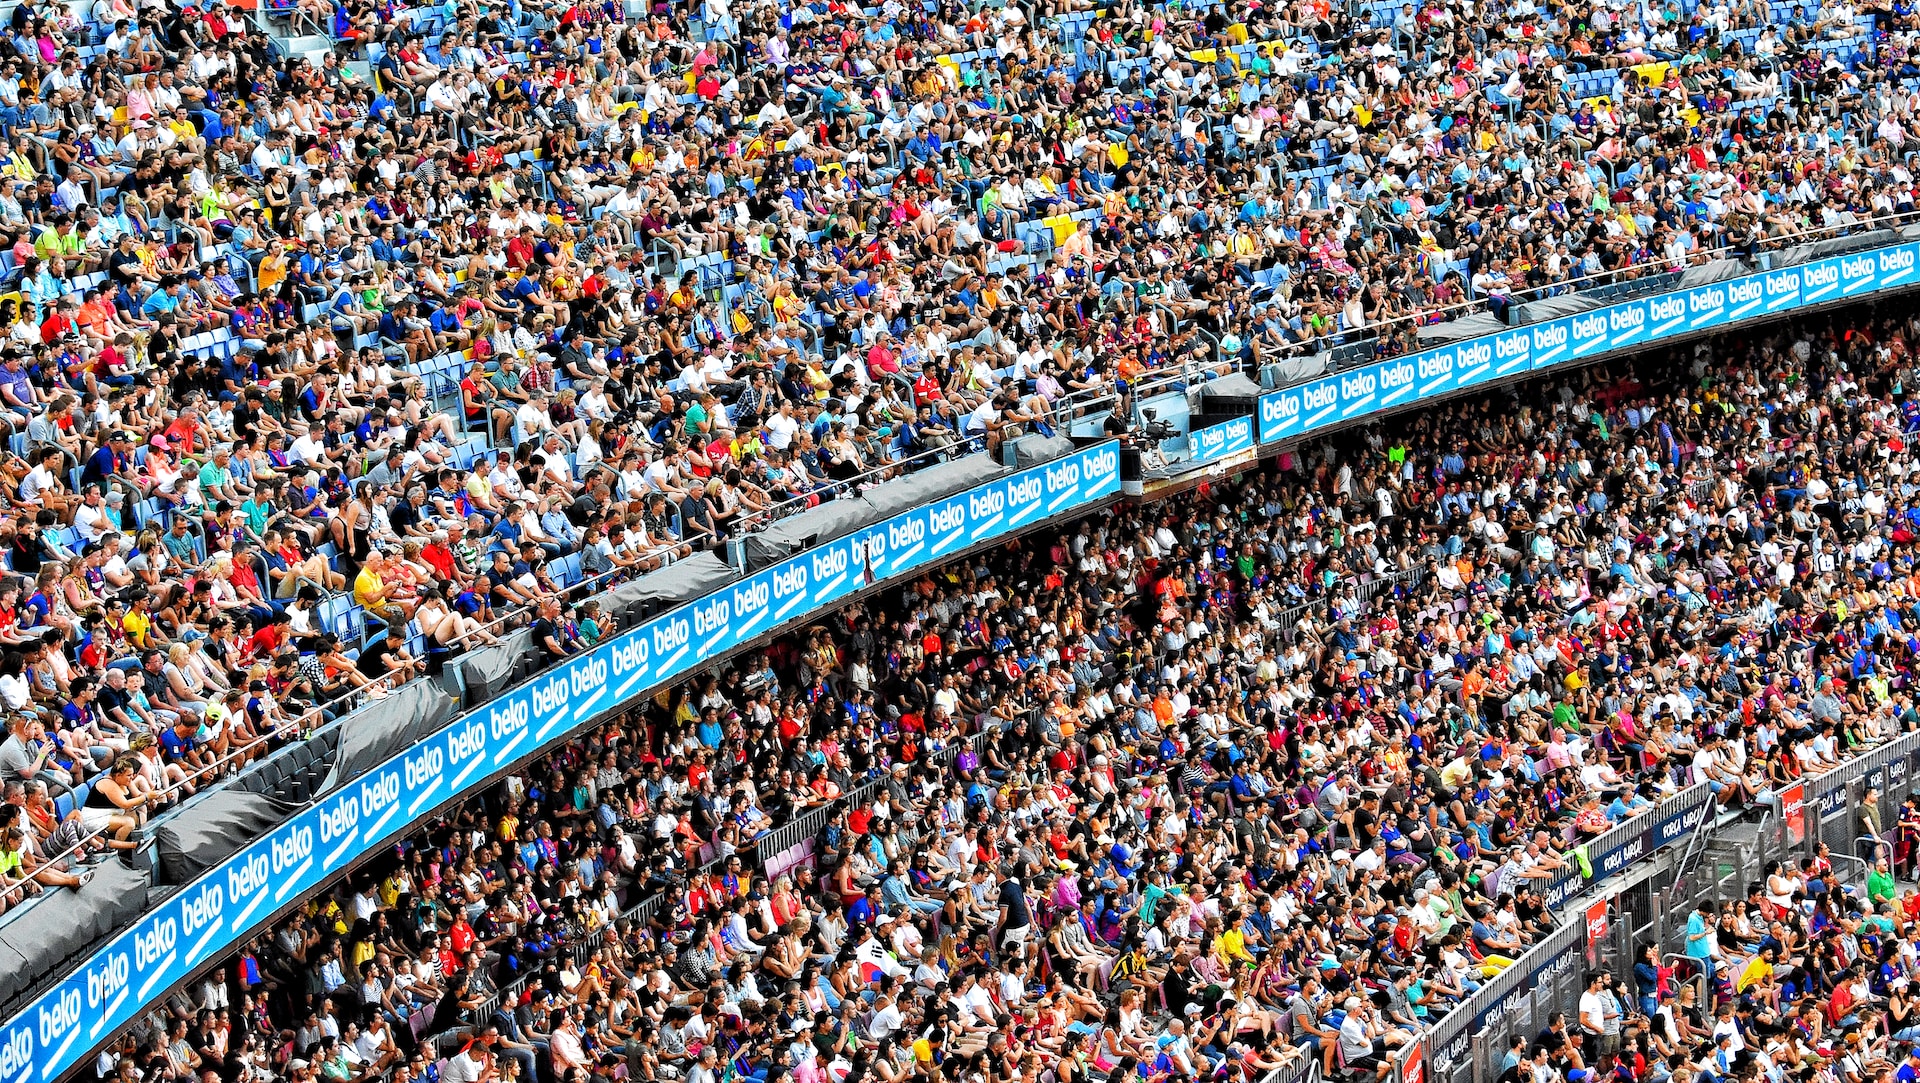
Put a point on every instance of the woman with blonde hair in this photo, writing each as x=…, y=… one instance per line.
x=188, y=687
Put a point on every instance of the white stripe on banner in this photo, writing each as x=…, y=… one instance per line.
x=372, y=830
x=1314, y=418
x=420, y=801
x=1028, y=509
x=748, y=624
x=1391, y=399
x=293, y=879
x=586, y=706
x=240, y=919
x=666, y=667
x=198, y=947
x=1470, y=375
x=903, y=559
x=47, y=1069
x=501, y=755
x=340, y=850
x=823, y=593
x=1746, y=308
x=778, y=615
x=465, y=773
x=1665, y=327
x=1349, y=409
x=113, y=1009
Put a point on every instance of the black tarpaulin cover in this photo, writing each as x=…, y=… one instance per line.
x=385, y=728
x=489, y=670
x=212, y=829
x=53, y=931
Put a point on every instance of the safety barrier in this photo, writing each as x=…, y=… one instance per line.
x=1292, y=412
x=1822, y=810
x=1466, y=1045
x=1630, y=840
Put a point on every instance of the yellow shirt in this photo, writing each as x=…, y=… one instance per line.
x=368, y=587
x=137, y=625
x=1232, y=945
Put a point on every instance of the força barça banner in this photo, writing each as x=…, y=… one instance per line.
x=1295, y=411
x=232, y=901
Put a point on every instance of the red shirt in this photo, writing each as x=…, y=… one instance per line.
x=440, y=558
x=265, y=642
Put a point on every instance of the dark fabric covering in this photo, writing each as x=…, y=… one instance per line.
x=1028, y=451
x=51, y=933
x=1293, y=370
x=1552, y=308
x=212, y=829
x=839, y=518
x=1833, y=246
x=803, y=530
x=1472, y=325
x=1718, y=270
x=682, y=581
x=1233, y=385
x=385, y=728
x=489, y=670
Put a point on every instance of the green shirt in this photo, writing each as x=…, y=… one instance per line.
x=1880, y=887
x=256, y=513
x=696, y=414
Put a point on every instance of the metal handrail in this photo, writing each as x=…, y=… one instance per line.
x=69, y=852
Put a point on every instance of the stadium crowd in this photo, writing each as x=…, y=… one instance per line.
x=695, y=266
x=1159, y=793
x=699, y=264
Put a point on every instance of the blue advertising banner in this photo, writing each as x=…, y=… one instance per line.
x=1629, y=841
x=1295, y=411
x=1216, y=442
x=230, y=902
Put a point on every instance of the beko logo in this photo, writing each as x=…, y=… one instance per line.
x=1712, y=300
x=508, y=718
x=942, y=520
x=105, y=982
x=711, y=616
x=289, y=852
x=1319, y=396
